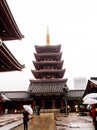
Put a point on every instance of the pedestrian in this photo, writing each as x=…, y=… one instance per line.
x=38, y=110
x=93, y=114
x=6, y=111
x=25, y=119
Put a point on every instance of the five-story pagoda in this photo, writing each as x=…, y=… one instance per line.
x=48, y=89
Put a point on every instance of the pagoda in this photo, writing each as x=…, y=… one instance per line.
x=48, y=89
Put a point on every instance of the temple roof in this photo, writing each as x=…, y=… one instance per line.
x=8, y=27
x=7, y=61
x=91, y=87
x=17, y=95
x=50, y=73
x=45, y=56
x=48, y=64
x=47, y=87
x=75, y=94
x=48, y=49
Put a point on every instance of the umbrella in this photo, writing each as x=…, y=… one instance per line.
x=91, y=95
x=90, y=101
x=76, y=106
x=4, y=98
x=28, y=109
x=89, y=107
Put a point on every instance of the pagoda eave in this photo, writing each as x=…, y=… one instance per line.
x=45, y=56
x=46, y=64
x=47, y=49
x=48, y=74
x=48, y=71
x=48, y=80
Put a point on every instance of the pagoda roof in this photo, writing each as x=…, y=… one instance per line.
x=46, y=87
x=47, y=80
x=47, y=54
x=48, y=73
x=7, y=61
x=48, y=49
x=8, y=27
x=43, y=56
x=42, y=64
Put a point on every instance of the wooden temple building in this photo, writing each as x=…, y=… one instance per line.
x=48, y=89
x=8, y=31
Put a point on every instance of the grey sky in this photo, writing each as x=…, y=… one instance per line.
x=72, y=23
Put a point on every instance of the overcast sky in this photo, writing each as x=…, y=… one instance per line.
x=72, y=23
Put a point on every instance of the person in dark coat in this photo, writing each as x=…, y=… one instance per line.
x=25, y=119
x=38, y=110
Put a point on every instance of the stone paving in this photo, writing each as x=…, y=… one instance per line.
x=60, y=121
x=45, y=121
x=9, y=118
x=73, y=122
x=9, y=121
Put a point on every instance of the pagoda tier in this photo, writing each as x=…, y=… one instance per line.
x=47, y=87
x=48, y=65
x=48, y=49
x=48, y=73
x=46, y=56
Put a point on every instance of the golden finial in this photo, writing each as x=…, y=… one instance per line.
x=48, y=37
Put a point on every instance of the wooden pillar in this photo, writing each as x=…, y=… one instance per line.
x=42, y=103
x=62, y=103
x=33, y=104
x=53, y=103
x=1, y=109
x=20, y=106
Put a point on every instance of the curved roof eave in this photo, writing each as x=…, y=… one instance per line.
x=7, y=61
x=9, y=29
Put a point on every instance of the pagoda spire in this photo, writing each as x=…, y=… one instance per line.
x=48, y=37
